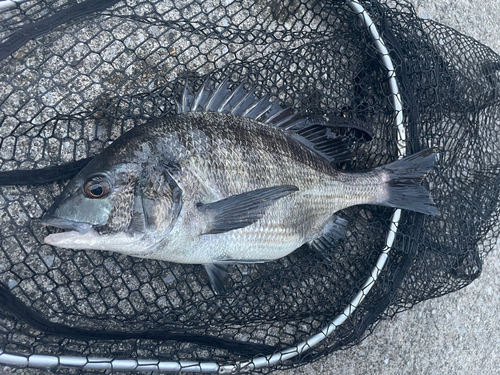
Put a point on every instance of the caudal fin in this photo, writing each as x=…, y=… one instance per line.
x=403, y=179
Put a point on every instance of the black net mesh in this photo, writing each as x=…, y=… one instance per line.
x=76, y=75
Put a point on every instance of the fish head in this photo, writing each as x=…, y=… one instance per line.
x=98, y=208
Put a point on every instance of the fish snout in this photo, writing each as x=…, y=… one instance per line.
x=62, y=223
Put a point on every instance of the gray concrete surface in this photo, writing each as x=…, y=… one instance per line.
x=458, y=334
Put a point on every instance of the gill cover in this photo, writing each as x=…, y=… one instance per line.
x=161, y=196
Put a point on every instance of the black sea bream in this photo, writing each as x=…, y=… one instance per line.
x=229, y=179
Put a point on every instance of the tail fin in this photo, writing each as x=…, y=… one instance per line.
x=403, y=179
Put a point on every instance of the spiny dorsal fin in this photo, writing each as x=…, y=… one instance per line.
x=218, y=96
x=314, y=132
x=186, y=100
x=238, y=102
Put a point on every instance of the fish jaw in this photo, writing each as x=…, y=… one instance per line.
x=66, y=224
x=83, y=236
x=72, y=239
x=91, y=240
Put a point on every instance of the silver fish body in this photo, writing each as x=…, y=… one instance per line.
x=208, y=187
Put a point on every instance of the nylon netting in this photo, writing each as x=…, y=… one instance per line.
x=75, y=76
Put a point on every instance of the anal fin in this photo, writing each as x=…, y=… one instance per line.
x=334, y=230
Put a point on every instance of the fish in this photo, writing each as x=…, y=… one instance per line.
x=231, y=178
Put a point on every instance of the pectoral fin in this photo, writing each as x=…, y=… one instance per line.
x=239, y=211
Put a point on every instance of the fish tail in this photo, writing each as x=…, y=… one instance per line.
x=403, y=180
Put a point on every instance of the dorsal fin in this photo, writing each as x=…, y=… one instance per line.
x=215, y=101
x=315, y=132
x=186, y=100
x=238, y=102
x=203, y=96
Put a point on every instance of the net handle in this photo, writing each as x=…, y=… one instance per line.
x=92, y=363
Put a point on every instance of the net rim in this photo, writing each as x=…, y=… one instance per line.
x=102, y=364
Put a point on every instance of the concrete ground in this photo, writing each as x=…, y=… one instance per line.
x=458, y=334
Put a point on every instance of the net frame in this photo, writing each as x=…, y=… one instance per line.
x=101, y=364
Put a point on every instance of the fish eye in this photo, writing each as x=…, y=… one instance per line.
x=97, y=187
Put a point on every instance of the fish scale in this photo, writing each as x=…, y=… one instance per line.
x=217, y=187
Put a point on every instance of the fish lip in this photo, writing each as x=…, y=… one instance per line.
x=62, y=223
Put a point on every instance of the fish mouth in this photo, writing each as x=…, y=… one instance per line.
x=62, y=223
x=83, y=236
